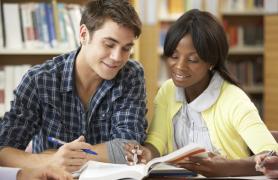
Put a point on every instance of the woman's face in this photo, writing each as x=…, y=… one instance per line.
x=187, y=69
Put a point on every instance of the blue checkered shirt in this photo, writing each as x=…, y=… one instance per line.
x=46, y=104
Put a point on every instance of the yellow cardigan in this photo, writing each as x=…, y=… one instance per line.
x=233, y=122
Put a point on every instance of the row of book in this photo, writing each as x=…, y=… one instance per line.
x=249, y=72
x=244, y=35
x=174, y=8
x=40, y=25
x=249, y=35
x=250, y=5
x=10, y=77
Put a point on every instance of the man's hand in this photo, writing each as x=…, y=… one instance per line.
x=70, y=156
x=142, y=154
x=44, y=173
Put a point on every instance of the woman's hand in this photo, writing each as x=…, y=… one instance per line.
x=211, y=166
x=267, y=164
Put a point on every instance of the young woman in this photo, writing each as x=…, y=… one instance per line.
x=203, y=104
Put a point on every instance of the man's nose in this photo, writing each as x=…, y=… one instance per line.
x=116, y=54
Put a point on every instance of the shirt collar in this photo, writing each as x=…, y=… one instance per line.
x=207, y=98
x=68, y=71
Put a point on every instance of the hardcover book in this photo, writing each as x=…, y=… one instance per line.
x=108, y=171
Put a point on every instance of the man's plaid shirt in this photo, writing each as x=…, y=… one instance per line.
x=46, y=104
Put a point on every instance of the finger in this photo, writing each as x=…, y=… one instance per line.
x=129, y=157
x=195, y=167
x=72, y=168
x=129, y=147
x=196, y=159
x=76, y=145
x=68, y=153
x=75, y=162
x=139, y=151
x=80, y=139
x=144, y=161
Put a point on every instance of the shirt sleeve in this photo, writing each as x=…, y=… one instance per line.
x=22, y=121
x=158, y=132
x=128, y=119
x=8, y=173
x=251, y=128
x=116, y=152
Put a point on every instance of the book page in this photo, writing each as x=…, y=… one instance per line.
x=176, y=156
x=108, y=171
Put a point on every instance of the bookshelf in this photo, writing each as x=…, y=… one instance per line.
x=144, y=48
x=270, y=72
x=245, y=23
x=28, y=26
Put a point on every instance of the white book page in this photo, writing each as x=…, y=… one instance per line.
x=108, y=171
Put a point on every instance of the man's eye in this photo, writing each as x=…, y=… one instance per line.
x=127, y=48
x=110, y=45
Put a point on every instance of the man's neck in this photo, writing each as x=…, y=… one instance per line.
x=86, y=81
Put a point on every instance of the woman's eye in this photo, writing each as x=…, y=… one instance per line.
x=192, y=60
x=174, y=57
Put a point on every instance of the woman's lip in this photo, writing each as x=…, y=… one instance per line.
x=180, y=76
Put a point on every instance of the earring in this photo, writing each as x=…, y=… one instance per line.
x=210, y=68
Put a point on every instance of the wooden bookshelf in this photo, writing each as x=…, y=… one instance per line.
x=251, y=50
x=32, y=51
x=254, y=12
x=271, y=72
x=150, y=60
x=246, y=54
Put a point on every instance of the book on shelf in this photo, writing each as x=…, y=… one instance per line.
x=31, y=25
x=10, y=77
x=12, y=25
x=2, y=33
x=108, y=171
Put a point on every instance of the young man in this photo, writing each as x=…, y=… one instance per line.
x=94, y=94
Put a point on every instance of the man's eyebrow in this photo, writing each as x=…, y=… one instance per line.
x=116, y=41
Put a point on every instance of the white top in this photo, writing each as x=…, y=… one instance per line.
x=8, y=173
x=189, y=126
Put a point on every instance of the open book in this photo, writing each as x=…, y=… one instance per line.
x=108, y=171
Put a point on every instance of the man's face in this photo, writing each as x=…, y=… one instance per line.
x=108, y=50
